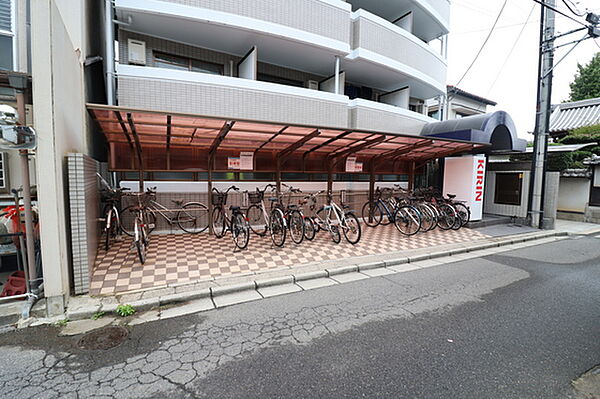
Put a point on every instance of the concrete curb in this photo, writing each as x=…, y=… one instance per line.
x=87, y=310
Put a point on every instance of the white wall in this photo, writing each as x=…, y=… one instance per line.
x=399, y=98
x=60, y=120
x=573, y=194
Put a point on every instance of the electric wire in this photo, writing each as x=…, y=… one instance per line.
x=556, y=10
x=571, y=7
x=484, y=43
x=512, y=49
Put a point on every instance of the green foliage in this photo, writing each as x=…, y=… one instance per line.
x=587, y=80
x=61, y=323
x=559, y=161
x=125, y=310
x=98, y=315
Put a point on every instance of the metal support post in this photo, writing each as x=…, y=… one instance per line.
x=337, y=74
x=540, y=149
x=24, y=156
x=411, y=176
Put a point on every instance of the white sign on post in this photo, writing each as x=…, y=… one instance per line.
x=350, y=164
x=246, y=160
x=233, y=163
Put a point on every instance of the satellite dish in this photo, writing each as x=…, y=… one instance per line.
x=13, y=136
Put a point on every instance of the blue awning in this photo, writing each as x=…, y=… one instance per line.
x=496, y=128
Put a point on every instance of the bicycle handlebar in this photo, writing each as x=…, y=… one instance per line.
x=216, y=190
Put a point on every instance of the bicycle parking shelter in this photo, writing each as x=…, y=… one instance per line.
x=163, y=141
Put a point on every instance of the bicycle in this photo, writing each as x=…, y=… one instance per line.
x=262, y=220
x=141, y=227
x=221, y=221
x=191, y=217
x=406, y=218
x=427, y=211
x=110, y=214
x=320, y=224
x=343, y=217
x=295, y=220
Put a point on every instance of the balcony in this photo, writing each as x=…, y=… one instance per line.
x=387, y=57
x=227, y=97
x=371, y=115
x=306, y=32
x=431, y=18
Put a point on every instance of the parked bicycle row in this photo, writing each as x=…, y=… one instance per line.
x=414, y=211
x=280, y=215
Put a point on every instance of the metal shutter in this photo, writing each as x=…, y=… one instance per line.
x=6, y=15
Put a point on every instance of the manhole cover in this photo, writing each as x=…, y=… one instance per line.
x=104, y=338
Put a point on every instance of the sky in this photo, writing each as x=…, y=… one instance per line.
x=511, y=80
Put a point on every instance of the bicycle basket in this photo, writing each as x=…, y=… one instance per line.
x=255, y=197
x=219, y=198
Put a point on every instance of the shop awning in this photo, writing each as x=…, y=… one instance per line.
x=148, y=134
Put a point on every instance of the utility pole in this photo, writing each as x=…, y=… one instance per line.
x=542, y=125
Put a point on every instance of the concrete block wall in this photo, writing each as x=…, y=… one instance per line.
x=84, y=207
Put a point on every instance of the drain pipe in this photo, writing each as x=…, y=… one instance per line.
x=109, y=50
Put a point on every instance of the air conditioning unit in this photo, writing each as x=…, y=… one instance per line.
x=136, y=50
x=313, y=85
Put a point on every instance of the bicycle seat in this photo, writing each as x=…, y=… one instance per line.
x=234, y=208
x=344, y=206
x=451, y=196
x=292, y=206
x=273, y=199
x=177, y=202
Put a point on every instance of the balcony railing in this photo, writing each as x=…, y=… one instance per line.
x=371, y=115
x=327, y=18
x=228, y=97
x=378, y=36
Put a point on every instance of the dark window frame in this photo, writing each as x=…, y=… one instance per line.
x=504, y=201
x=189, y=62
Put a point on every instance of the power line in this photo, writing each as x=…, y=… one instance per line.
x=484, y=43
x=571, y=8
x=560, y=12
x=512, y=49
x=498, y=27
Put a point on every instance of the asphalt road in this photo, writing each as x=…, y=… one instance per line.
x=522, y=324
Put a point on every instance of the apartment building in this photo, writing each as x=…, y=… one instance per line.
x=358, y=64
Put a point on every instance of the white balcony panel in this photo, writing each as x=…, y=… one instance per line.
x=431, y=18
x=228, y=98
x=305, y=34
x=371, y=115
x=380, y=41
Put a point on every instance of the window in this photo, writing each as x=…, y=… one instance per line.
x=168, y=61
x=279, y=80
x=508, y=188
x=6, y=35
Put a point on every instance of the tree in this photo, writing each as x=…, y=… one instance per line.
x=587, y=80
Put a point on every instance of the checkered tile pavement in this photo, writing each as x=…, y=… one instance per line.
x=178, y=258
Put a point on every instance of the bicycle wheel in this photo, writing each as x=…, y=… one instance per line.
x=277, y=227
x=240, y=230
x=447, y=216
x=111, y=227
x=351, y=228
x=219, y=224
x=371, y=213
x=193, y=217
x=335, y=233
x=310, y=230
x=296, y=226
x=457, y=225
x=127, y=220
x=427, y=217
x=464, y=213
x=386, y=215
x=257, y=221
x=407, y=220
x=140, y=240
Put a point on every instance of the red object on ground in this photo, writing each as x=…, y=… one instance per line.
x=15, y=284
